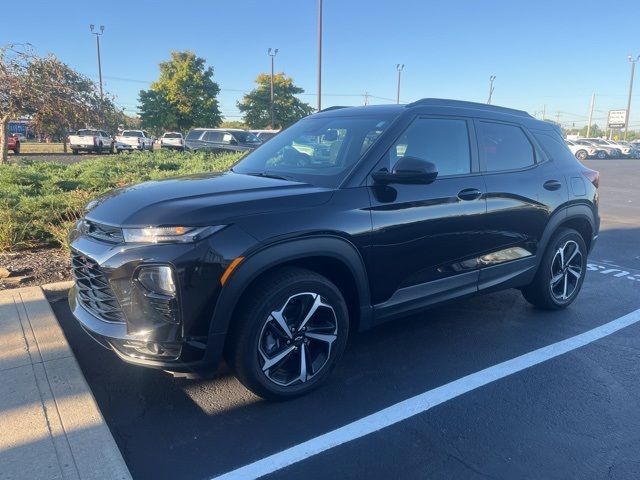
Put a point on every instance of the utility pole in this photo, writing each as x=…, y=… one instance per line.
x=98, y=34
x=272, y=54
x=558, y=118
x=319, y=55
x=633, y=69
x=491, y=79
x=593, y=101
x=366, y=98
x=544, y=112
x=399, y=67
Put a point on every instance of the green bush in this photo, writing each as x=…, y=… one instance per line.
x=40, y=201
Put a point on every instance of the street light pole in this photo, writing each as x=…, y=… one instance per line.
x=399, y=67
x=98, y=34
x=272, y=54
x=633, y=70
x=319, y=55
x=491, y=79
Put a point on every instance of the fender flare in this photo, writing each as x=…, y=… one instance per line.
x=562, y=215
x=276, y=254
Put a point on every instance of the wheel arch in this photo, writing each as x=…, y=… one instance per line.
x=331, y=256
x=580, y=217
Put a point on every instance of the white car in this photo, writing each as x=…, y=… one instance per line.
x=133, y=140
x=172, y=141
x=581, y=152
x=90, y=140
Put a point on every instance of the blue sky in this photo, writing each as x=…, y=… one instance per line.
x=553, y=53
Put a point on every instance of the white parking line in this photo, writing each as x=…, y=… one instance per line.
x=423, y=402
x=619, y=272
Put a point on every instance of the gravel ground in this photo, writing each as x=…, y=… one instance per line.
x=34, y=267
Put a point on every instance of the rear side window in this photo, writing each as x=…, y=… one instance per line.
x=554, y=147
x=194, y=135
x=213, y=137
x=504, y=147
x=444, y=142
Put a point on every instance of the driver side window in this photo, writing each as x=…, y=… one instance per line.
x=444, y=142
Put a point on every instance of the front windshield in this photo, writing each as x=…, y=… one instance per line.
x=317, y=150
x=246, y=137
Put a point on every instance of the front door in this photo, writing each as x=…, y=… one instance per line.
x=426, y=237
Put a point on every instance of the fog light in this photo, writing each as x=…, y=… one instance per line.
x=158, y=279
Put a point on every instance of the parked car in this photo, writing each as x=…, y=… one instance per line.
x=602, y=143
x=274, y=263
x=130, y=140
x=221, y=140
x=90, y=140
x=602, y=151
x=13, y=144
x=172, y=141
x=630, y=150
x=265, y=135
x=582, y=152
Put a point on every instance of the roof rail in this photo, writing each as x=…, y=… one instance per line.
x=441, y=102
x=335, y=107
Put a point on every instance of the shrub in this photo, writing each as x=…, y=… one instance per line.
x=40, y=201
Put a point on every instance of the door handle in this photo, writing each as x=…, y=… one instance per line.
x=552, y=185
x=469, y=194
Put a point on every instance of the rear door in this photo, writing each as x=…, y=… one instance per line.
x=425, y=237
x=523, y=190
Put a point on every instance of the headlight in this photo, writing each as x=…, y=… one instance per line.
x=168, y=234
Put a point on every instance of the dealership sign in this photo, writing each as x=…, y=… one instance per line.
x=617, y=118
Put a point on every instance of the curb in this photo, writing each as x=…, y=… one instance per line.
x=51, y=424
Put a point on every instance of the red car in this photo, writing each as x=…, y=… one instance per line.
x=14, y=144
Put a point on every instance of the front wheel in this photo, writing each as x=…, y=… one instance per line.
x=288, y=334
x=601, y=154
x=581, y=155
x=16, y=151
x=560, y=273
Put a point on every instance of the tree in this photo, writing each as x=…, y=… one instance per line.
x=233, y=124
x=183, y=97
x=52, y=94
x=287, y=107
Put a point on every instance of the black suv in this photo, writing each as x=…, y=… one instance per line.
x=221, y=140
x=349, y=218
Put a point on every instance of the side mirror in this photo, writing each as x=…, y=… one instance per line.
x=408, y=170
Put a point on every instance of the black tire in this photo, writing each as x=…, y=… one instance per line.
x=16, y=151
x=601, y=154
x=547, y=293
x=74, y=151
x=98, y=150
x=254, y=328
x=582, y=154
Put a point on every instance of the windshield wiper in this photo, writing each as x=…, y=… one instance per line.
x=272, y=175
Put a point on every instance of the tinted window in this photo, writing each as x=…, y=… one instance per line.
x=213, y=137
x=554, y=147
x=246, y=137
x=194, y=135
x=132, y=133
x=505, y=147
x=443, y=142
x=173, y=135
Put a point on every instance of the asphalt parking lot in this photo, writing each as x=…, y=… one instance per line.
x=575, y=415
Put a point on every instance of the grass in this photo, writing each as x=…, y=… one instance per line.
x=35, y=147
x=40, y=201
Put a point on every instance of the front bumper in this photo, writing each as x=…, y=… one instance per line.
x=139, y=334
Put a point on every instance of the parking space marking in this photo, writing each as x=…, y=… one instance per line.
x=424, y=401
x=619, y=272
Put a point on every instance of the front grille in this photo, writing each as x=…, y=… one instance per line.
x=103, y=232
x=94, y=292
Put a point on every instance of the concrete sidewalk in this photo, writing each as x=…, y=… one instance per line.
x=50, y=425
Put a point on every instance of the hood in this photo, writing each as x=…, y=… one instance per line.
x=202, y=200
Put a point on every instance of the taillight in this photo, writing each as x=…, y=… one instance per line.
x=593, y=176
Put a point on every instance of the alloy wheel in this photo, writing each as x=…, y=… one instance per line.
x=566, y=271
x=296, y=340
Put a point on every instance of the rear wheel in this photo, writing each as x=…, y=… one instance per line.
x=601, y=154
x=289, y=334
x=16, y=151
x=582, y=154
x=74, y=151
x=561, y=272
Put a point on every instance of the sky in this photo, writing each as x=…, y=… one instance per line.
x=546, y=55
